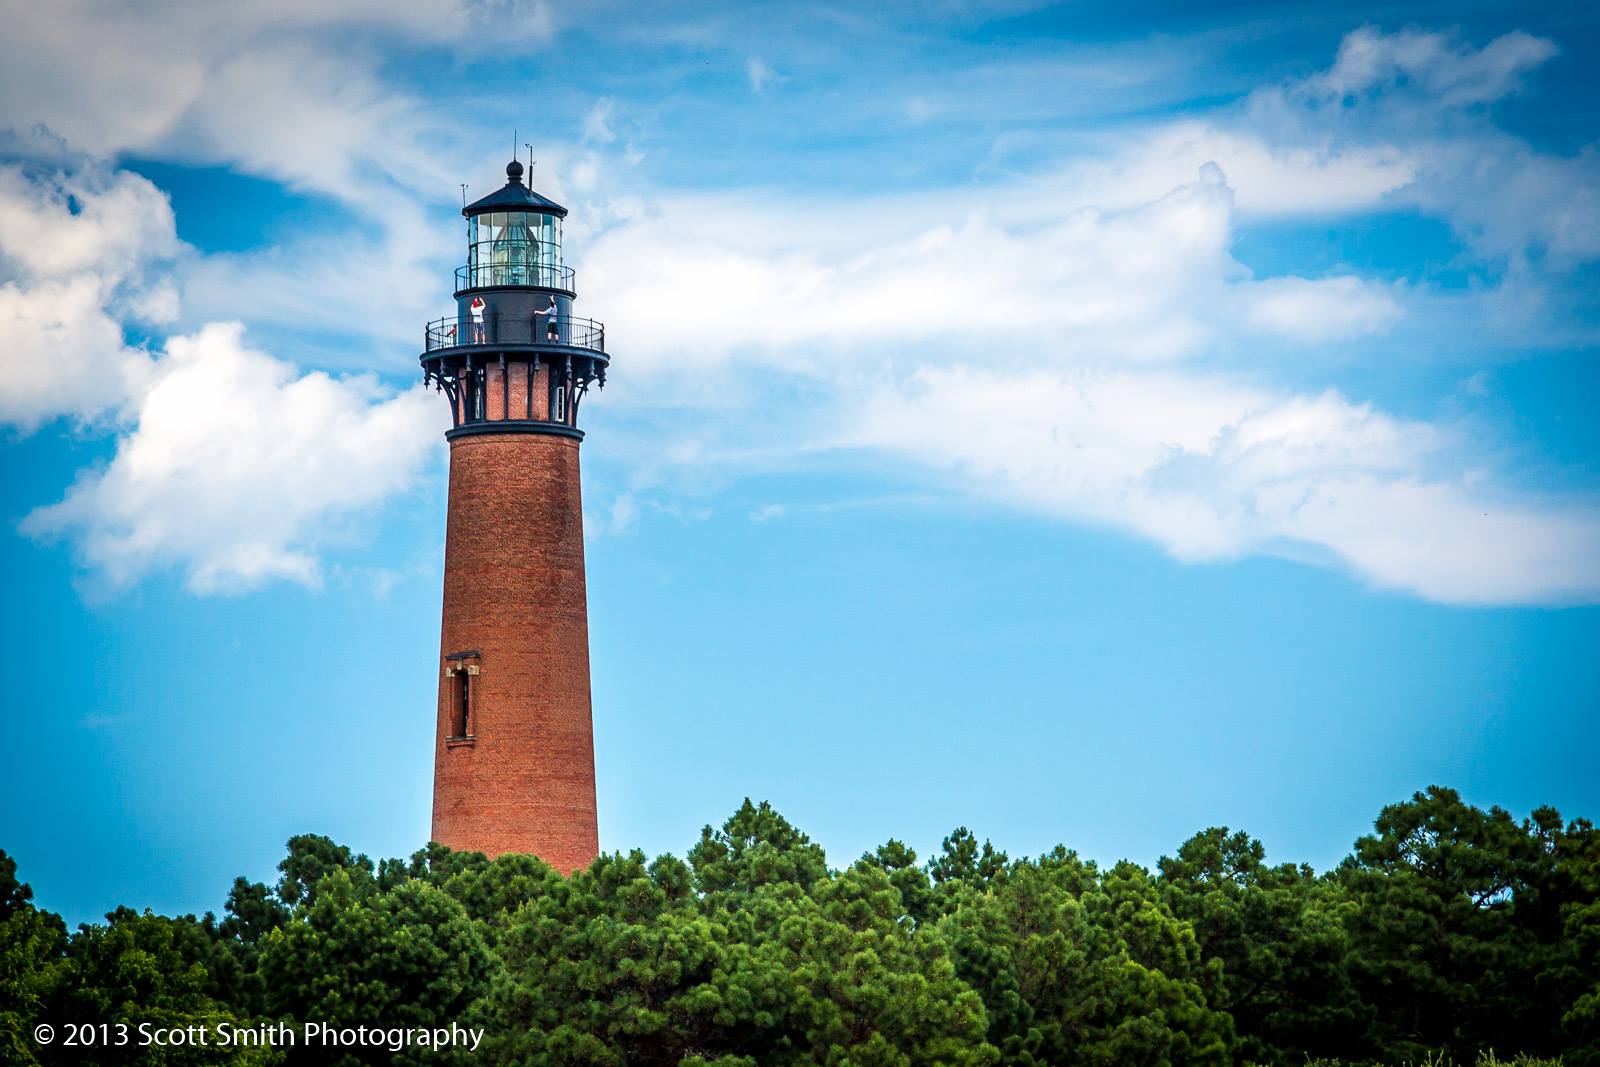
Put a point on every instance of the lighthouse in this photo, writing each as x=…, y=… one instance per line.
x=514, y=741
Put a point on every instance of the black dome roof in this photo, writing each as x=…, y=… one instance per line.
x=514, y=196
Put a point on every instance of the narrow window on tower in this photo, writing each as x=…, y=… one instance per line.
x=460, y=696
x=461, y=703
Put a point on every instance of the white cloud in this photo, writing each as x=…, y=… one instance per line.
x=759, y=74
x=238, y=468
x=63, y=355
x=379, y=284
x=1140, y=284
x=1396, y=122
x=1271, y=178
x=1453, y=542
x=1152, y=283
x=1509, y=202
x=230, y=464
x=1428, y=91
x=597, y=123
x=1432, y=65
x=287, y=90
x=91, y=221
x=1319, y=310
x=1214, y=470
x=80, y=251
x=1062, y=367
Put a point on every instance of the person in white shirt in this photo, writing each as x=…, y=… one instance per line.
x=477, y=320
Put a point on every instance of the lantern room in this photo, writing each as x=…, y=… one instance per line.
x=514, y=239
x=512, y=357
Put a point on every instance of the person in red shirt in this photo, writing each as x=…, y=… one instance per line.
x=477, y=320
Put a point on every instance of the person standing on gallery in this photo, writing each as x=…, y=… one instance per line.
x=477, y=320
x=552, y=329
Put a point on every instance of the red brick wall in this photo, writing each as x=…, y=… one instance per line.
x=517, y=400
x=514, y=591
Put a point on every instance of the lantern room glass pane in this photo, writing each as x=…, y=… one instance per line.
x=549, y=242
x=520, y=228
x=514, y=248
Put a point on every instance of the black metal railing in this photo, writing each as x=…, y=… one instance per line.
x=541, y=275
x=458, y=332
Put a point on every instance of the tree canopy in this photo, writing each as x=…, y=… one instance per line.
x=1449, y=930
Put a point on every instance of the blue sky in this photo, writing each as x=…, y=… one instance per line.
x=1080, y=423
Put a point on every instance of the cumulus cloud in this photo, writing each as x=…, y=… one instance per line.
x=63, y=354
x=1211, y=469
x=238, y=468
x=1323, y=309
x=1398, y=121
x=80, y=252
x=1510, y=203
x=230, y=464
x=1065, y=368
x=1152, y=283
x=1138, y=284
x=187, y=77
x=1428, y=91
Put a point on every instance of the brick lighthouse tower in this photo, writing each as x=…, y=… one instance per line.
x=514, y=747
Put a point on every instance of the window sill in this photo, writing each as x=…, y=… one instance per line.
x=464, y=739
